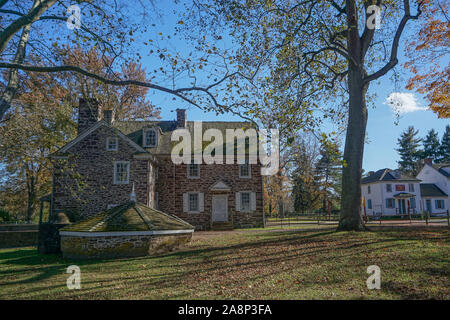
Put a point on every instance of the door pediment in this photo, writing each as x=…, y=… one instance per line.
x=220, y=186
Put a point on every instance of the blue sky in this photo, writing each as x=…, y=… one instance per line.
x=382, y=129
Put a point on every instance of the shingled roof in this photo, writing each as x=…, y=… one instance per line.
x=443, y=168
x=387, y=175
x=431, y=190
x=134, y=131
x=128, y=217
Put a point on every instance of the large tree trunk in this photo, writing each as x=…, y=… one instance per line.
x=351, y=218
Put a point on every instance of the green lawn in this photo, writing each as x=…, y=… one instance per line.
x=252, y=264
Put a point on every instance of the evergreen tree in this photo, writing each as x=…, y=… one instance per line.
x=431, y=146
x=328, y=172
x=409, y=152
x=444, y=149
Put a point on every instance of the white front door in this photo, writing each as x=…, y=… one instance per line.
x=220, y=207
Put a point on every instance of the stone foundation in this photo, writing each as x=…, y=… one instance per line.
x=106, y=247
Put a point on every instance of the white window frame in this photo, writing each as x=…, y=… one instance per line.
x=249, y=171
x=249, y=201
x=411, y=187
x=200, y=199
x=146, y=143
x=189, y=202
x=390, y=187
x=369, y=189
x=189, y=171
x=108, y=140
x=115, y=172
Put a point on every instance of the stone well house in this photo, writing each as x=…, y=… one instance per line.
x=96, y=171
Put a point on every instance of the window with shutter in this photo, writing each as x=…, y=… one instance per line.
x=439, y=204
x=245, y=201
x=390, y=203
x=150, y=138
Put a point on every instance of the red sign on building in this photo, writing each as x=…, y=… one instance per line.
x=399, y=187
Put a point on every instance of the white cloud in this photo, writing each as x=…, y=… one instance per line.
x=401, y=103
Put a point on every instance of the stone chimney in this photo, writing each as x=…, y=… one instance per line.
x=108, y=116
x=428, y=161
x=89, y=112
x=181, y=118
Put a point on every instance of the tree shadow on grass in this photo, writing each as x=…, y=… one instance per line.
x=173, y=274
x=11, y=263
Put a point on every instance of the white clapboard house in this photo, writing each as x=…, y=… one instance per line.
x=435, y=187
x=388, y=192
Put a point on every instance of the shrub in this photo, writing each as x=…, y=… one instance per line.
x=4, y=215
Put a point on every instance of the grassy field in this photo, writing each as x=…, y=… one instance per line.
x=252, y=264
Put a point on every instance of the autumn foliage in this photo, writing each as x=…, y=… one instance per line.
x=428, y=58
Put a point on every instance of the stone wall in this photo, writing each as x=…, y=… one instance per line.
x=120, y=246
x=93, y=190
x=19, y=227
x=12, y=239
x=18, y=235
x=173, y=181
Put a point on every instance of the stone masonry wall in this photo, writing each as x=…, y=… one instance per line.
x=120, y=246
x=90, y=159
x=173, y=181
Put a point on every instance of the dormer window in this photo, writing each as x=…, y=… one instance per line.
x=112, y=144
x=244, y=170
x=150, y=138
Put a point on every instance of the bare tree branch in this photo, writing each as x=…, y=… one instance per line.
x=9, y=32
x=394, y=49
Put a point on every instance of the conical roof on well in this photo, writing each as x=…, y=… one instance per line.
x=131, y=216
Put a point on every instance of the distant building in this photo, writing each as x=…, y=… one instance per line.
x=435, y=186
x=388, y=192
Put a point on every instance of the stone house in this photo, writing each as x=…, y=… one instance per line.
x=96, y=171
